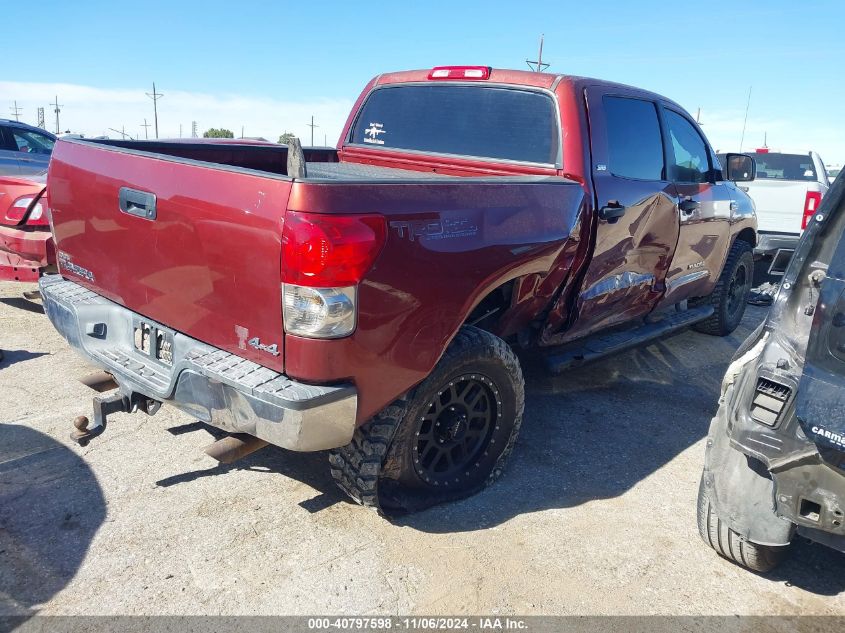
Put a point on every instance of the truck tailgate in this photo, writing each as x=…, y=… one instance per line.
x=207, y=264
x=780, y=203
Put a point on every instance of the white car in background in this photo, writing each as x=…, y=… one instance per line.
x=787, y=191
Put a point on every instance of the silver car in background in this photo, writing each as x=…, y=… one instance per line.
x=24, y=149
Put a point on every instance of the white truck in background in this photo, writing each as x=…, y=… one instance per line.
x=787, y=191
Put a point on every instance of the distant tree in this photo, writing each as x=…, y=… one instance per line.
x=286, y=138
x=218, y=133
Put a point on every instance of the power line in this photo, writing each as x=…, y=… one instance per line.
x=122, y=132
x=57, y=107
x=312, y=125
x=155, y=96
x=16, y=111
x=539, y=65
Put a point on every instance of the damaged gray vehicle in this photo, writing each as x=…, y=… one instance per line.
x=775, y=460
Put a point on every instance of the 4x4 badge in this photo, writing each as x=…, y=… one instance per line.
x=243, y=340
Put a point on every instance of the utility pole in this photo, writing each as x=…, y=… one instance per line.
x=57, y=107
x=145, y=126
x=193, y=129
x=698, y=116
x=312, y=125
x=180, y=130
x=242, y=131
x=325, y=140
x=41, y=123
x=155, y=96
x=16, y=111
x=539, y=65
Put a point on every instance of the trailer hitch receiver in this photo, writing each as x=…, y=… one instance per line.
x=103, y=406
x=106, y=405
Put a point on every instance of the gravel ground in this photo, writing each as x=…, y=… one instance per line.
x=594, y=515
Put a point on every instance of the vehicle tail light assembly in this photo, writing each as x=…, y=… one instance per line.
x=811, y=203
x=36, y=206
x=460, y=72
x=324, y=258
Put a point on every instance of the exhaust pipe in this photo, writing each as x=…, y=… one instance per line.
x=99, y=381
x=234, y=447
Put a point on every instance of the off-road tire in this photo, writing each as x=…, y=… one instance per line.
x=728, y=309
x=729, y=544
x=378, y=468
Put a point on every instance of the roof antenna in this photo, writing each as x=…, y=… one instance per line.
x=539, y=66
x=747, y=105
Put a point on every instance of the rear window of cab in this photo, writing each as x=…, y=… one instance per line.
x=508, y=124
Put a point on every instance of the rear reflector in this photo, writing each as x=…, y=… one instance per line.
x=329, y=251
x=460, y=72
x=811, y=203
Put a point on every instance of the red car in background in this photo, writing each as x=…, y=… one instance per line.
x=26, y=244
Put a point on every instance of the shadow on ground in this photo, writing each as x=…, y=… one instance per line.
x=23, y=304
x=50, y=508
x=12, y=356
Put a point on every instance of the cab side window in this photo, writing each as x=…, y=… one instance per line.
x=690, y=163
x=634, y=144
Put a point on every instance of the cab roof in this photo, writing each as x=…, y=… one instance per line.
x=517, y=78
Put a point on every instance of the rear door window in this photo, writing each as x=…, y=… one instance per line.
x=508, y=124
x=690, y=162
x=31, y=142
x=785, y=166
x=634, y=144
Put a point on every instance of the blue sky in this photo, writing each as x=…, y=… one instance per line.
x=267, y=66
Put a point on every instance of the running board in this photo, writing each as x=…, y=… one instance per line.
x=601, y=345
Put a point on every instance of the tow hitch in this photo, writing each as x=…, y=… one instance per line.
x=106, y=405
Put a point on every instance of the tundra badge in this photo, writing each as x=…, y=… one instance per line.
x=68, y=266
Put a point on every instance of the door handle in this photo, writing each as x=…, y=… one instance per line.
x=689, y=205
x=612, y=212
x=139, y=203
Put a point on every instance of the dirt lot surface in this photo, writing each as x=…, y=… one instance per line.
x=594, y=515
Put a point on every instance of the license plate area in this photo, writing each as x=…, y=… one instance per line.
x=153, y=341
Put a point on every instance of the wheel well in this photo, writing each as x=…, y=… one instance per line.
x=489, y=310
x=748, y=235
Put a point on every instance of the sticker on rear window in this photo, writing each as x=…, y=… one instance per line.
x=372, y=132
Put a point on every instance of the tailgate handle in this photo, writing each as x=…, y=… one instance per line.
x=139, y=203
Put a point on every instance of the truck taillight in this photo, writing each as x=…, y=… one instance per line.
x=324, y=257
x=460, y=72
x=36, y=207
x=811, y=203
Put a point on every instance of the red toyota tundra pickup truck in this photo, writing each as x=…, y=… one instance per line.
x=366, y=299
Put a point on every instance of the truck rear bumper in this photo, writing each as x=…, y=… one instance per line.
x=210, y=384
x=24, y=253
x=771, y=243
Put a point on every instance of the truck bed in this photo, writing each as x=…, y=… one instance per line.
x=208, y=262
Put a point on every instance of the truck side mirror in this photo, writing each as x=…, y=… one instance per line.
x=740, y=167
